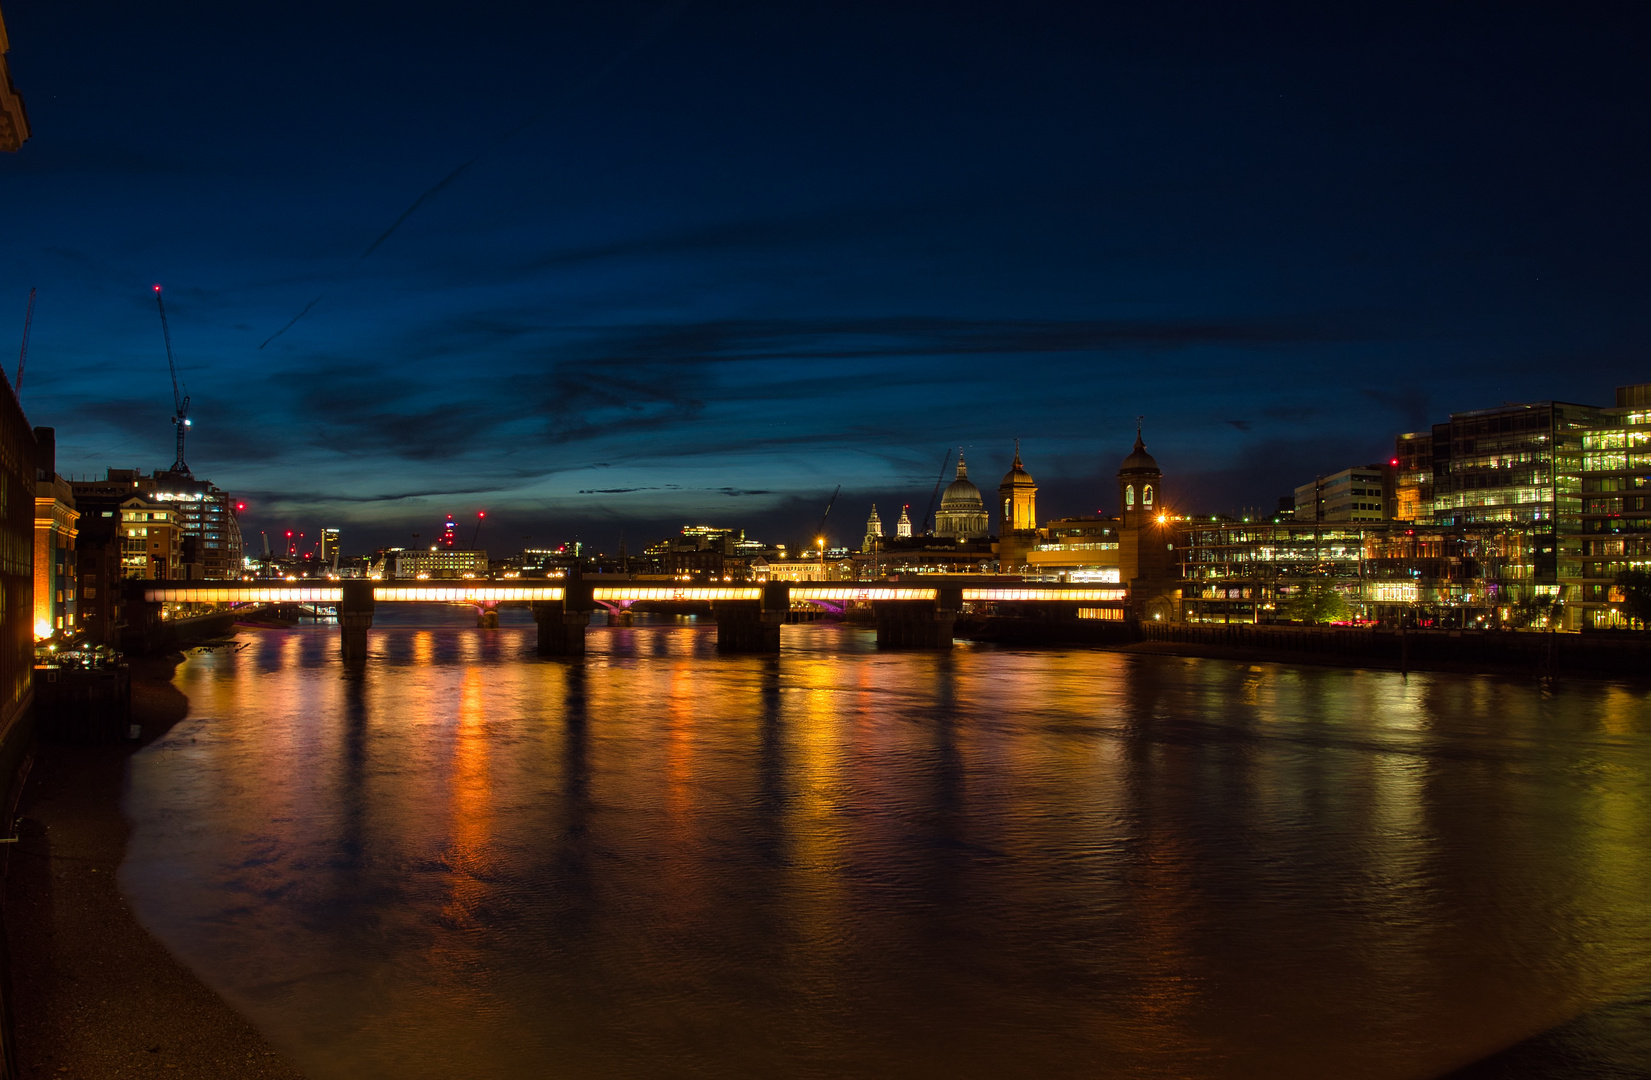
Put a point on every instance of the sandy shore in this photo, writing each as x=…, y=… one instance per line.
x=93, y=994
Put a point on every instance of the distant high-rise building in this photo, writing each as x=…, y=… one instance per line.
x=329, y=546
x=449, y=534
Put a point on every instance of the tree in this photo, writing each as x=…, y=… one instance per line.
x=1316, y=603
x=1635, y=586
x=1538, y=611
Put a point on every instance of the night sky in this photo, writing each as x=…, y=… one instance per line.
x=707, y=261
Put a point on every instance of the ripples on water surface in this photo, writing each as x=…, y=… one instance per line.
x=840, y=863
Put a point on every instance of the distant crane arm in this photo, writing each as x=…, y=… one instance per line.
x=180, y=400
x=941, y=479
x=23, y=353
x=820, y=532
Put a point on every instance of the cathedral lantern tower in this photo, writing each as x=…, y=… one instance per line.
x=1018, y=498
x=962, y=513
x=874, y=530
x=902, y=528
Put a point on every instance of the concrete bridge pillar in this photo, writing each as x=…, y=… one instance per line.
x=917, y=624
x=562, y=622
x=355, y=617
x=753, y=626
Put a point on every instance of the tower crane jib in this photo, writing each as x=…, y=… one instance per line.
x=180, y=400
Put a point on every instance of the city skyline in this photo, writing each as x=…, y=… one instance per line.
x=628, y=269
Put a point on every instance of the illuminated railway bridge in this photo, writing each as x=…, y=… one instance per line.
x=748, y=617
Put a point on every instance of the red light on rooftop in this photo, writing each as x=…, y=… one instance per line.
x=1394, y=462
x=157, y=288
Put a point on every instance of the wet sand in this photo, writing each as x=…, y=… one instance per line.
x=93, y=994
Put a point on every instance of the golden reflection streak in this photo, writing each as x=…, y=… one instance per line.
x=470, y=807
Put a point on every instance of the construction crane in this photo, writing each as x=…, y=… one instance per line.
x=23, y=353
x=819, y=534
x=938, y=481
x=477, y=535
x=180, y=400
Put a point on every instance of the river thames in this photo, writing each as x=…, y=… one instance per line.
x=660, y=861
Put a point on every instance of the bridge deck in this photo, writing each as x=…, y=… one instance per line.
x=217, y=592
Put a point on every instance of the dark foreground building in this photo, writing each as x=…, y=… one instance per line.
x=17, y=472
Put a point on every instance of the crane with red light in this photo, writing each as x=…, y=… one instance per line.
x=477, y=535
x=180, y=400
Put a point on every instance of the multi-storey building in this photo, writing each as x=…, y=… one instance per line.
x=55, y=531
x=1518, y=465
x=1565, y=474
x=1362, y=493
x=151, y=544
x=1077, y=550
x=14, y=119
x=1413, y=477
x=1398, y=573
x=434, y=562
x=1616, y=503
x=204, y=513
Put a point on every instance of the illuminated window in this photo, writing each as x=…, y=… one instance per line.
x=1129, y=494
x=1146, y=495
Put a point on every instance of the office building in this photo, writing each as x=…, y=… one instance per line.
x=1361, y=493
x=437, y=562
x=1615, y=515
x=1396, y=573
x=1413, y=477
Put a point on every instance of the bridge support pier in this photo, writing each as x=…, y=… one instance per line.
x=907, y=624
x=562, y=624
x=355, y=618
x=753, y=626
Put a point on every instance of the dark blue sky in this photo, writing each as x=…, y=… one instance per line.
x=711, y=260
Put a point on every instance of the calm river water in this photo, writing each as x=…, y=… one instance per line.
x=663, y=862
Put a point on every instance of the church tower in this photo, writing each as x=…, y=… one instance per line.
x=1147, y=562
x=1140, y=484
x=874, y=530
x=1018, y=497
x=902, y=528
